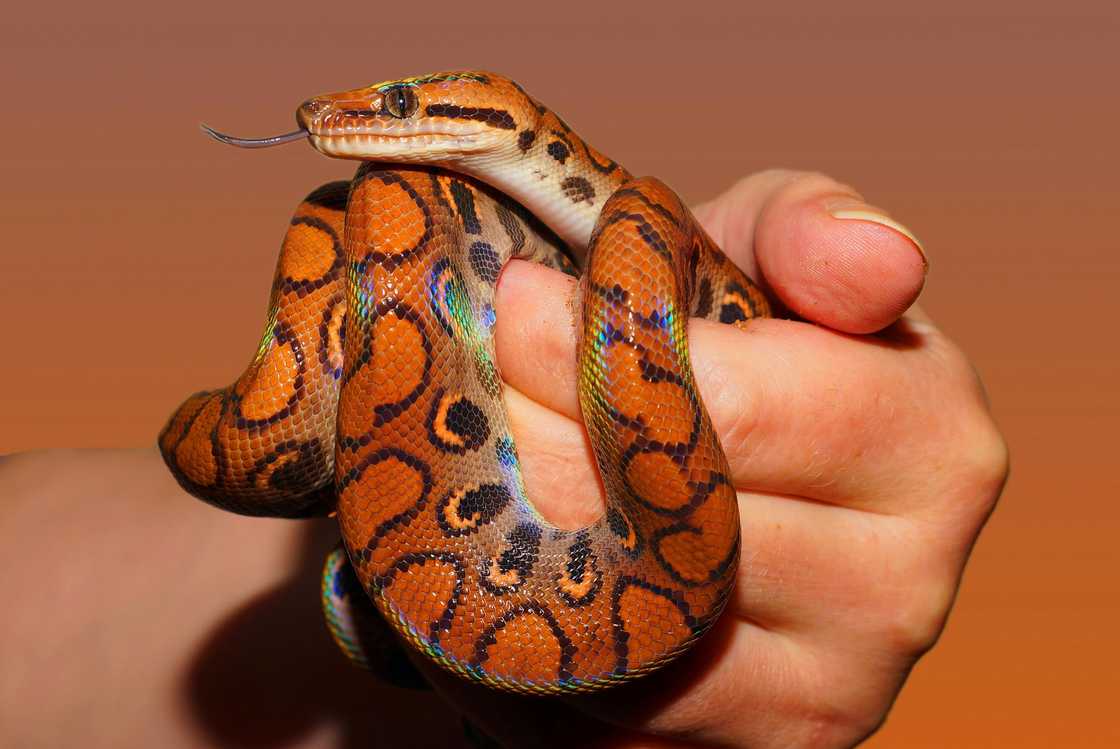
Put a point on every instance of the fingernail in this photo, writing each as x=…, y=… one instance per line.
x=855, y=211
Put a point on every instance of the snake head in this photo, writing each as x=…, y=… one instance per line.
x=441, y=118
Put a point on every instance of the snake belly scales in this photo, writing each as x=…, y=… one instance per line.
x=375, y=392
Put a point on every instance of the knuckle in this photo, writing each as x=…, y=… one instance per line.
x=803, y=186
x=839, y=718
x=917, y=592
x=909, y=598
x=772, y=176
x=986, y=465
x=740, y=415
x=979, y=462
x=917, y=617
x=846, y=728
x=956, y=369
x=763, y=184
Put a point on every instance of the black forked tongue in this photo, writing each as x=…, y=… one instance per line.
x=275, y=140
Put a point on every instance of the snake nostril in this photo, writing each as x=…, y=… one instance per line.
x=311, y=109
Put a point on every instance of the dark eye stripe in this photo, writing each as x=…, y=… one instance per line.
x=494, y=117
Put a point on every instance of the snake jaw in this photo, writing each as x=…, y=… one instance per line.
x=361, y=129
x=432, y=148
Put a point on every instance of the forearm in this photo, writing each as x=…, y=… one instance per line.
x=136, y=615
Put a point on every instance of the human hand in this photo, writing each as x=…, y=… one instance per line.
x=865, y=467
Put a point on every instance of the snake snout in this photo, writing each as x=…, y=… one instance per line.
x=310, y=111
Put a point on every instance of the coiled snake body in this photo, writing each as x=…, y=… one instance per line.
x=375, y=392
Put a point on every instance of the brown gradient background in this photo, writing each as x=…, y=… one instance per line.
x=136, y=255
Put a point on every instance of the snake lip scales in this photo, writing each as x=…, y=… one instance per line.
x=375, y=393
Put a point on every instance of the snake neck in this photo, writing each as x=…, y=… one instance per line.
x=555, y=174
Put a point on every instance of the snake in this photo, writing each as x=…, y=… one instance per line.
x=375, y=394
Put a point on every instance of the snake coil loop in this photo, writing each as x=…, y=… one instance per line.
x=375, y=393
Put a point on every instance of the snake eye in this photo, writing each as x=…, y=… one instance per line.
x=401, y=101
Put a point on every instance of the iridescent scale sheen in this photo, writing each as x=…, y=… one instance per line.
x=376, y=394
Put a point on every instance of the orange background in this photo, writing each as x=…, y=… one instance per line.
x=990, y=128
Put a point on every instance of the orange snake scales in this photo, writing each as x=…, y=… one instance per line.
x=375, y=392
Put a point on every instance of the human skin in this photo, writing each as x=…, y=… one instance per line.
x=865, y=466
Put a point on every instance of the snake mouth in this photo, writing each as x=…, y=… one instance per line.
x=347, y=125
x=417, y=147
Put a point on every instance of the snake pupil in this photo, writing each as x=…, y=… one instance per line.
x=401, y=101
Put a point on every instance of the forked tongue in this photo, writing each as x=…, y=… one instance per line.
x=275, y=140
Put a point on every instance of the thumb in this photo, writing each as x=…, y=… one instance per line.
x=826, y=254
